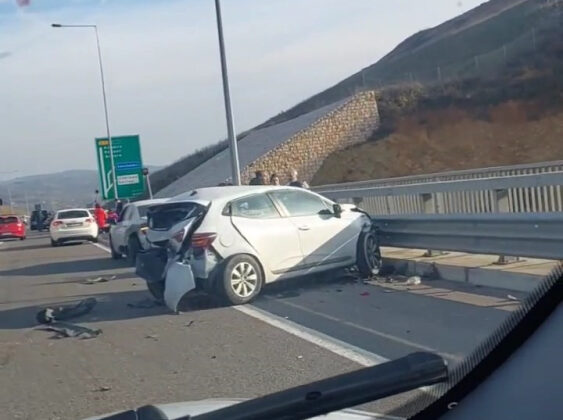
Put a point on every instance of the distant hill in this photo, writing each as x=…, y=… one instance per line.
x=54, y=190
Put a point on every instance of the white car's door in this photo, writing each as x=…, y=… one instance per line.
x=118, y=231
x=274, y=238
x=325, y=239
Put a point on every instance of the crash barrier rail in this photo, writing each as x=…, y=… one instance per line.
x=504, y=189
x=534, y=235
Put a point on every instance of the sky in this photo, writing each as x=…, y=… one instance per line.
x=162, y=68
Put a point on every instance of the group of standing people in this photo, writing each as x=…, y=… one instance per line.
x=261, y=178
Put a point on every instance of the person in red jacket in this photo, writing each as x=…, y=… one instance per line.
x=100, y=216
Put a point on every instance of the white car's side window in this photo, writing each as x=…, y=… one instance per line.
x=257, y=206
x=300, y=203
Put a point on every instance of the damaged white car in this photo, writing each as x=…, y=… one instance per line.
x=232, y=240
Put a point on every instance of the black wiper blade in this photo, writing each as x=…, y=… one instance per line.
x=339, y=392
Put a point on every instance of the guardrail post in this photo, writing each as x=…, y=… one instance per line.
x=501, y=202
x=430, y=206
x=428, y=203
x=502, y=205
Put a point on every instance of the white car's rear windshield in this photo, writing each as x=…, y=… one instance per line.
x=8, y=220
x=164, y=216
x=73, y=214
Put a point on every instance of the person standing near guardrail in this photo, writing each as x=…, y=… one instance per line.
x=275, y=179
x=259, y=179
x=294, y=180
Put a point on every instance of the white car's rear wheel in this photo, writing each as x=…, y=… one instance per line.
x=241, y=279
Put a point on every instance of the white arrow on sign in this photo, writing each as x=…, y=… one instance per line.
x=106, y=177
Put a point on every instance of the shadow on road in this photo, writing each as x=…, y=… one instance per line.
x=24, y=248
x=110, y=307
x=65, y=267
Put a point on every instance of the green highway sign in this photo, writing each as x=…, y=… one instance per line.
x=128, y=167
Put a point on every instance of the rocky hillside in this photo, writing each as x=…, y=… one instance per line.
x=514, y=118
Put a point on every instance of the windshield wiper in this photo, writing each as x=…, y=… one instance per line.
x=322, y=397
x=339, y=392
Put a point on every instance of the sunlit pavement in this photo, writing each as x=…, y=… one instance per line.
x=295, y=333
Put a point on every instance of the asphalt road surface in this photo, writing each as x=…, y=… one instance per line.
x=297, y=332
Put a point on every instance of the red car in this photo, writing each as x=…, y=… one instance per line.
x=12, y=227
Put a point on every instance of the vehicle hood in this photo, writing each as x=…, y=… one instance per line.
x=181, y=409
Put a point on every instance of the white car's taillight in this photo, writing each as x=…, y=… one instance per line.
x=203, y=240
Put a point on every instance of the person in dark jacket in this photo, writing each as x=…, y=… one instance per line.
x=294, y=180
x=118, y=207
x=259, y=178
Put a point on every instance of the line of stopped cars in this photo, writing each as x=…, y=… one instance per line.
x=231, y=241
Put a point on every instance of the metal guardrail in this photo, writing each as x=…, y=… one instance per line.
x=524, y=235
x=513, y=189
x=511, y=210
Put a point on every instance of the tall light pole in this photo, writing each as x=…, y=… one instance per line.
x=227, y=95
x=114, y=178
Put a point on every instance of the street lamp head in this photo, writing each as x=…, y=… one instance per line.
x=56, y=25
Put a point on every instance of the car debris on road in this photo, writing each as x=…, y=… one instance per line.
x=100, y=279
x=64, y=312
x=145, y=304
x=66, y=329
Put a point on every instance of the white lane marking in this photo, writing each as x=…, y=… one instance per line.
x=371, y=331
x=338, y=347
x=102, y=247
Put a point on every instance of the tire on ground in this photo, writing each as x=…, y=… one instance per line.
x=368, y=255
x=133, y=247
x=54, y=243
x=114, y=254
x=240, y=279
x=156, y=289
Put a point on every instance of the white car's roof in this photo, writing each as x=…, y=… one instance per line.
x=61, y=210
x=148, y=202
x=226, y=193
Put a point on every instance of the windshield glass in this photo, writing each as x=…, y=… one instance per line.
x=8, y=220
x=222, y=199
x=72, y=214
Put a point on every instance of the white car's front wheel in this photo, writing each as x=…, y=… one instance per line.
x=240, y=279
x=368, y=258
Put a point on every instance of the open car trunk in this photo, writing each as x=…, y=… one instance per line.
x=163, y=263
x=165, y=220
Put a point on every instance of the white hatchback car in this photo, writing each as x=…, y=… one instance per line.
x=126, y=237
x=73, y=225
x=232, y=240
